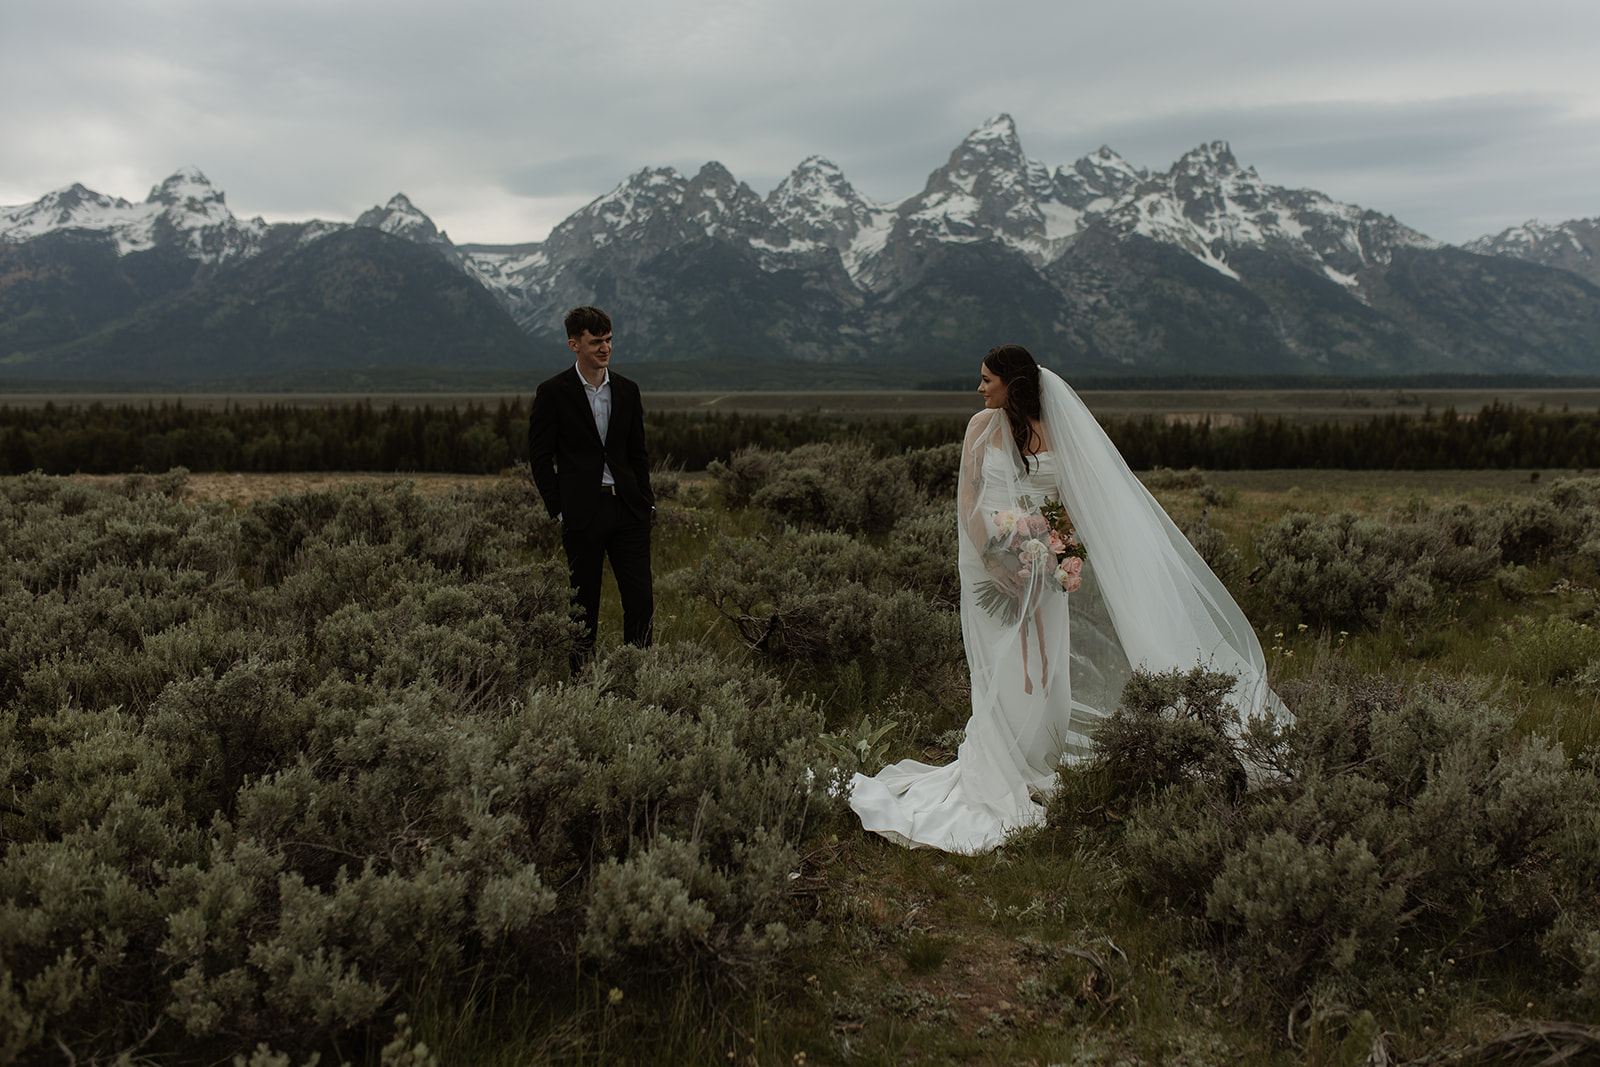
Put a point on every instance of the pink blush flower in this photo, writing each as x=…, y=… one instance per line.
x=1070, y=574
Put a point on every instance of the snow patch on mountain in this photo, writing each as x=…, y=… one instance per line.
x=988, y=191
x=184, y=210
x=400, y=218
x=819, y=208
x=1208, y=205
x=1573, y=245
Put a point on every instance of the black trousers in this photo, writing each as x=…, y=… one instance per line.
x=626, y=541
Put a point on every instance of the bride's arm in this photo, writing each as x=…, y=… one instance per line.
x=974, y=519
x=974, y=524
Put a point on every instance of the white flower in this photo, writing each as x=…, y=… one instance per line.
x=1005, y=522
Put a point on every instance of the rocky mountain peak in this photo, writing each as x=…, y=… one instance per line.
x=75, y=207
x=76, y=196
x=816, y=203
x=401, y=218
x=185, y=210
x=999, y=130
x=1214, y=158
x=1573, y=245
x=988, y=190
x=1098, y=181
x=724, y=206
x=639, y=197
x=812, y=177
x=186, y=188
x=638, y=219
x=714, y=191
x=989, y=159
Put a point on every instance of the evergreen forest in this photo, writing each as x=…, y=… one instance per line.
x=99, y=438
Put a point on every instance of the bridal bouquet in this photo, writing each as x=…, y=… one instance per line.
x=1028, y=540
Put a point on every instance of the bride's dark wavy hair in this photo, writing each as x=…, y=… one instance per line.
x=1019, y=373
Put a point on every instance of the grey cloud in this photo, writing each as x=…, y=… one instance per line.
x=295, y=105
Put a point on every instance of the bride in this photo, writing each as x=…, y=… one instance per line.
x=1071, y=576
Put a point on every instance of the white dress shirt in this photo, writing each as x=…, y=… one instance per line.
x=600, y=404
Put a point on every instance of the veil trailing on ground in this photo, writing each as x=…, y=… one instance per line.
x=1047, y=664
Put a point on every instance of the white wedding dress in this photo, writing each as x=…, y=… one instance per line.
x=1047, y=670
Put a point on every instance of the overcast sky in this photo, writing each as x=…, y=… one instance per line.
x=500, y=117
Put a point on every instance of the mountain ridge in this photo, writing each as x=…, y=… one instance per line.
x=1102, y=266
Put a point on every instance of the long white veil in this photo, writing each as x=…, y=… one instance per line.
x=1167, y=609
x=1147, y=600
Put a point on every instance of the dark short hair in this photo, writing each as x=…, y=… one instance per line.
x=586, y=318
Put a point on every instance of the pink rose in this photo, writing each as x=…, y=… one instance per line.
x=1070, y=574
x=1056, y=544
x=1038, y=524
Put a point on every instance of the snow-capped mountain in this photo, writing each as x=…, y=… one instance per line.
x=399, y=217
x=1573, y=245
x=989, y=191
x=185, y=211
x=1209, y=206
x=819, y=208
x=1203, y=267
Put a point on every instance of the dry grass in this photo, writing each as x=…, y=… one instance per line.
x=241, y=490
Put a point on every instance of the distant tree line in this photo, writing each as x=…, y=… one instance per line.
x=475, y=438
x=1498, y=436
x=480, y=439
x=960, y=383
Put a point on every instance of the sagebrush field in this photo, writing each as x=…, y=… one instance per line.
x=293, y=771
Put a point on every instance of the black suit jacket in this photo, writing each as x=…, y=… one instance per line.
x=566, y=453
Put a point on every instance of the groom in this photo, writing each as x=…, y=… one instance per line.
x=586, y=448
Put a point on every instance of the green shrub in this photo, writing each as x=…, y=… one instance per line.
x=1167, y=478
x=839, y=486
x=266, y=778
x=1554, y=650
x=1403, y=823
x=1214, y=547
x=827, y=598
x=1556, y=523
x=1343, y=570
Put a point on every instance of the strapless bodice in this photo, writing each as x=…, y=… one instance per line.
x=1038, y=483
